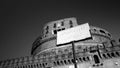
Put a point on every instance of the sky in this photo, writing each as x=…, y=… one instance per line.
x=21, y=22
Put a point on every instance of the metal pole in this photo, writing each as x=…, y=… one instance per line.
x=74, y=56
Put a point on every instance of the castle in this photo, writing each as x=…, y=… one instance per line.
x=99, y=51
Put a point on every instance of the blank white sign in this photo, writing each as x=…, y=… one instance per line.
x=73, y=34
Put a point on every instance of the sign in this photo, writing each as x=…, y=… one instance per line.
x=73, y=34
x=71, y=66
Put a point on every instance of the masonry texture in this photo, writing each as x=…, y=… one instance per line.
x=100, y=51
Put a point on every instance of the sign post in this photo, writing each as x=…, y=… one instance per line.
x=73, y=34
x=74, y=56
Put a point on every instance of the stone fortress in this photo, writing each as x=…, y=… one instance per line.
x=100, y=51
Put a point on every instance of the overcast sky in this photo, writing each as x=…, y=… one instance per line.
x=21, y=21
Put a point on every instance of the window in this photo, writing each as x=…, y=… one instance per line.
x=65, y=61
x=94, y=29
x=96, y=59
x=84, y=59
x=88, y=58
x=58, y=63
x=80, y=59
x=104, y=56
x=72, y=60
x=102, y=31
x=117, y=54
x=63, y=28
x=61, y=62
x=113, y=42
x=54, y=25
x=43, y=64
x=54, y=63
x=59, y=30
x=29, y=66
x=40, y=65
x=109, y=35
x=62, y=23
x=109, y=55
x=112, y=54
x=69, y=61
x=47, y=28
x=55, y=32
x=71, y=24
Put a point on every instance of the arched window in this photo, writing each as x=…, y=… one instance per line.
x=65, y=61
x=47, y=28
x=62, y=23
x=104, y=55
x=80, y=59
x=58, y=63
x=69, y=61
x=55, y=63
x=112, y=54
x=96, y=59
x=71, y=23
x=109, y=55
x=72, y=60
x=117, y=53
x=54, y=26
x=84, y=59
x=109, y=35
x=102, y=31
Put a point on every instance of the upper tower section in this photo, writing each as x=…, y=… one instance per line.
x=51, y=28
